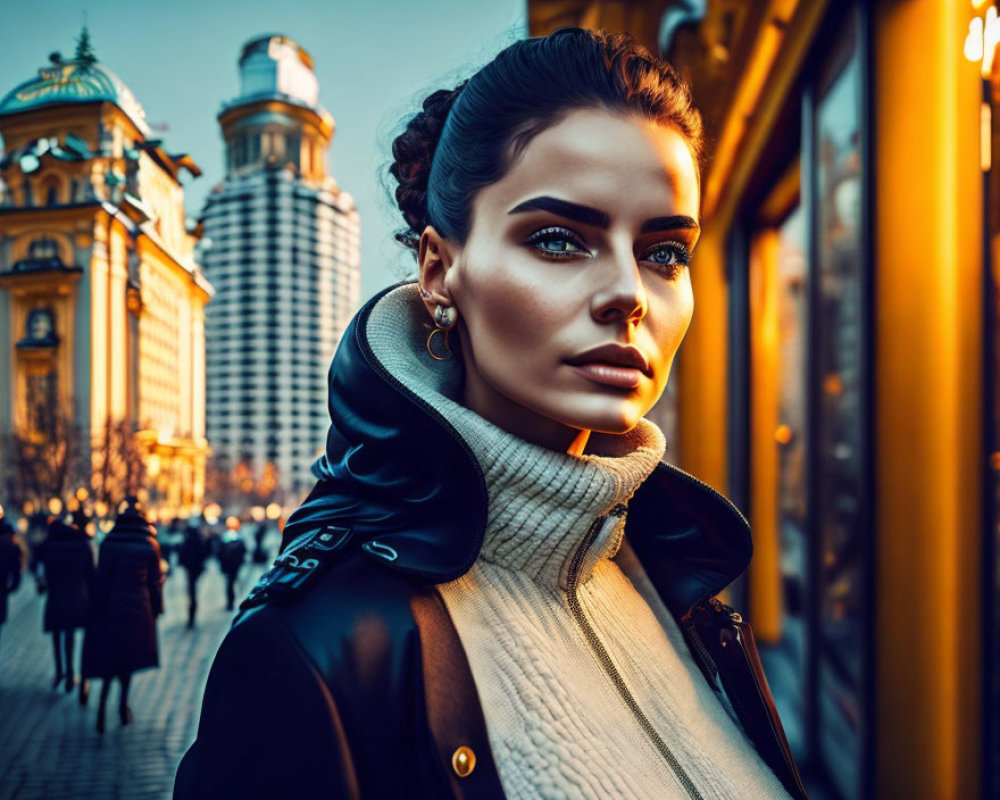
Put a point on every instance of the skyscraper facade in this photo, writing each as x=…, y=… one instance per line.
x=101, y=302
x=281, y=246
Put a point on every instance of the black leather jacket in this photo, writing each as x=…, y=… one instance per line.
x=343, y=676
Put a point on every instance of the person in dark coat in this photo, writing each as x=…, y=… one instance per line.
x=259, y=553
x=67, y=562
x=11, y=563
x=191, y=556
x=497, y=588
x=121, y=638
x=232, y=554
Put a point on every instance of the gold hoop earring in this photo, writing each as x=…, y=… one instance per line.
x=445, y=318
x=430, y=348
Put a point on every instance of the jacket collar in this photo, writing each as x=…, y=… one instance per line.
x=399, y=475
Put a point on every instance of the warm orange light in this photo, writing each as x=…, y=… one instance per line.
x=833, y=384
x=82, y=494
x=273, y=511
x=233, y=523
x=101, y=508
x=213, y=510
x=783, y=434
x=995, y=460
x=257, y=513
x=55, y=505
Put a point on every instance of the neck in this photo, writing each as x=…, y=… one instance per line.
x=519, y=421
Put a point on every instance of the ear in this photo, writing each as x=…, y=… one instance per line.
x=435, y=258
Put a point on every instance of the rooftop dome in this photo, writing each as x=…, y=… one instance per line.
x=79, y=80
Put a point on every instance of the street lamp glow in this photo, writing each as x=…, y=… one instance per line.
x=257, y=513
x=273, y=511
x=82, y=494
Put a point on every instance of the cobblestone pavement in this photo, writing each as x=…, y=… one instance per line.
x=49, y=747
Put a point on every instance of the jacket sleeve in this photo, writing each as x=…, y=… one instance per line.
x=269, y=727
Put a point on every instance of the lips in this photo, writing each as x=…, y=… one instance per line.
x=614, y=355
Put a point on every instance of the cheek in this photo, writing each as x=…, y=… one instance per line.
x=508, y=311
x=669, y=319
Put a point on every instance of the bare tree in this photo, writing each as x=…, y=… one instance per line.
x=119, y=462
x=43, y=456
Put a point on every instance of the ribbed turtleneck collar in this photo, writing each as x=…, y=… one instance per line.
x=542, y=503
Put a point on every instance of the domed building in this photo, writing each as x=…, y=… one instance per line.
x=101, y=302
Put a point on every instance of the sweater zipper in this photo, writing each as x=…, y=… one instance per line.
x=601, y=653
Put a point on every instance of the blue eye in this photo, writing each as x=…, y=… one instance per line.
x=668, y=256
x=557, y=243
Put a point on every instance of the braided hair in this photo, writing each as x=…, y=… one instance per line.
x=466, y=138
x=413, y=151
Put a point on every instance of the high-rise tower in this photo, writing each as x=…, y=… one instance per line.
x=281, y=246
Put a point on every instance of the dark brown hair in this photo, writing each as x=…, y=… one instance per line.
x=466, y=138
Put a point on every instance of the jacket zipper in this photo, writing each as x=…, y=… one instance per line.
x=605, y=660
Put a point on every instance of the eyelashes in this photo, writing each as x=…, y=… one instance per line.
x=559, y=243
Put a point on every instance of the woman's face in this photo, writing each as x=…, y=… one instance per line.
x=572, y=290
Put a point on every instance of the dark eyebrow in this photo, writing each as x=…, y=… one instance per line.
x=564, y=208
x=669, y=224
x=598, y=218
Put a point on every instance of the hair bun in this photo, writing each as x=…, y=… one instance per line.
x=413, y=152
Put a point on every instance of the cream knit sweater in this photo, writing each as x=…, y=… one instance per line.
x=558, y=725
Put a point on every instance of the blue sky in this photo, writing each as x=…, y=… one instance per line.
x=375, y=62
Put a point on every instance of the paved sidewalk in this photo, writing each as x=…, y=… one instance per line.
x=49, y=747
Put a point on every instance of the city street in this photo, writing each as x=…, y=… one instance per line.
x=49, y=747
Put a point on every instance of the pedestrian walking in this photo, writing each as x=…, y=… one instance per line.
x=232, y=554
x=259, y=553
x=192, y=555
x=121, y=638
x=38, y=525
x=66, y=561
x=11, y=563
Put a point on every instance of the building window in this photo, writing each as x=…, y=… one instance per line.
x=803, y=470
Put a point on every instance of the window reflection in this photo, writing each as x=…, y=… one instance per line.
x=839, y=429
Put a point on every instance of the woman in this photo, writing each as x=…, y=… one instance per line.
x=121, y=638
x=496, y=589
x=67, y=561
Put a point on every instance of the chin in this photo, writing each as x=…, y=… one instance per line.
x=615, y=420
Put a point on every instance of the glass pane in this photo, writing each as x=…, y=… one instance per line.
x=782, y=337
x=839, y=429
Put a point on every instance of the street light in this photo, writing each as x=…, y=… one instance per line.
x=273, y=511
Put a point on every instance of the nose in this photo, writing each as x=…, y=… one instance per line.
x=622, y=298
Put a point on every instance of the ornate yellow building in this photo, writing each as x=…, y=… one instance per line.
x=101, y=304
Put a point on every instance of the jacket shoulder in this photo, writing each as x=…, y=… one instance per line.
x=335, y=602
x=304, y=671
x=268, y=727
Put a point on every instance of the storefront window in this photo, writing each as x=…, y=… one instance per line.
x=839, y=429
x=807, y=477
x=791, y=439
